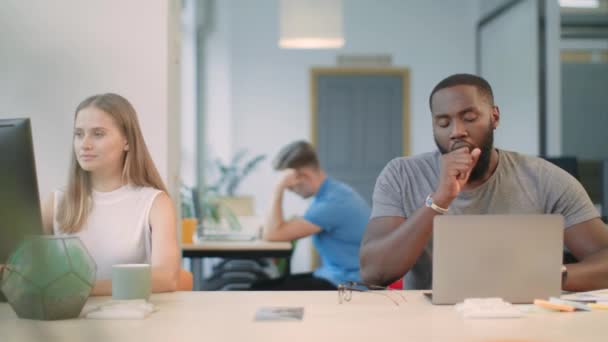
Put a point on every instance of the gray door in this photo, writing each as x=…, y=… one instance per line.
x=585, y=110
x=359, y=125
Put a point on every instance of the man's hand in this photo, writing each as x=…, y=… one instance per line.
x=276, y=228
x=456, y=168
x=287, y=178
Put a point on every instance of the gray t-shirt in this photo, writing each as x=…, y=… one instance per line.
x=520, y=185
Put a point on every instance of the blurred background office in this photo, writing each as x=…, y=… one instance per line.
x=210, y=80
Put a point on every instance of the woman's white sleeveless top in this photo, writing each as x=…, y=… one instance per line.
x=117, y=230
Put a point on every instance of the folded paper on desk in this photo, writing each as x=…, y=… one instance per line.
x=122, y=309
x=279, y=314
x=487, y=308
x=590, y=296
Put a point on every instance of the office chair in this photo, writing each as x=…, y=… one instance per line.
x=566, y=163
x=185, y=281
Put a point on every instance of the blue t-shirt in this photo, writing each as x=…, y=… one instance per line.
x=342, y=215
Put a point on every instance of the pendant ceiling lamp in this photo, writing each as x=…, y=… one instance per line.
x=310, y=24
x=580, y=3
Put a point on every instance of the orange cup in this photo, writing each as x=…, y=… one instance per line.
x=188, y=229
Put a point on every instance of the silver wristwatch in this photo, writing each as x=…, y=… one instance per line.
x=429, y=203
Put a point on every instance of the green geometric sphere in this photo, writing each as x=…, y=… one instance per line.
x=49, y=277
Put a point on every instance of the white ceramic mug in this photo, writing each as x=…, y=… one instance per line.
x=131, y=281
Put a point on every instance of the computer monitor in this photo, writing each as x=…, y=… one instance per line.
x=19, y=199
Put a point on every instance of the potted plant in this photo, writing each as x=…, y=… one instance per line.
x=218, y=205
x=231, y=175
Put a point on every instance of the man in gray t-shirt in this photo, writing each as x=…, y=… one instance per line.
x=469, y=176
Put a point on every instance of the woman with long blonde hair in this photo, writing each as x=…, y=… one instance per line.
x=115, y=200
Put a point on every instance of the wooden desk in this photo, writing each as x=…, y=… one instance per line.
x=234, y=249
x=228, y=316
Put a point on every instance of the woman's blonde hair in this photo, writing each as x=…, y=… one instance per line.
x=138, y=167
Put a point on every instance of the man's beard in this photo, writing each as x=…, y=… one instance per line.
x=483, y=163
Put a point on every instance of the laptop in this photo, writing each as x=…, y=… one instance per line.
x=515, y=257
x=229, y=237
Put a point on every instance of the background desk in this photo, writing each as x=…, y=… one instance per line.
x=228, y=316
x=234, y=249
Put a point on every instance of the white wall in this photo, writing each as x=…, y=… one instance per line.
x=268, y=91
x=487, y=6
x=553, y=78
x=218, y=28
x=56, y=53
x=258, y=95
x=264, y=102
x=509, y=62
x=188, y=82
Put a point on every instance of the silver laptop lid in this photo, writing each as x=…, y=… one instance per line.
x=515, y=257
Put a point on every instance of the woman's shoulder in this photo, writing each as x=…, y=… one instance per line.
x=145, y=192
x=144, y=189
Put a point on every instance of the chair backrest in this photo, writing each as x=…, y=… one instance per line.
x=568, y=164
x=185, y=281
x=397, y=285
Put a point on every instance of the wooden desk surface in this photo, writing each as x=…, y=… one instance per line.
x=228, y=316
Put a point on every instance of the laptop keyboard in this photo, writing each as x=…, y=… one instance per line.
x=229, y=237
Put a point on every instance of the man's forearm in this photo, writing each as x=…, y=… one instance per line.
x=385, y=259
x=275, y=219
x=589, y=274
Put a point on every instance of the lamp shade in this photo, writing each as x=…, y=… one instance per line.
x=48, y=278
x=310, y=24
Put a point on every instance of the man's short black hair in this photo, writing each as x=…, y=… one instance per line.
x=296, y=155
x=483, y=87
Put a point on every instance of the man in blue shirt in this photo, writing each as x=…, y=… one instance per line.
x=336, y=218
